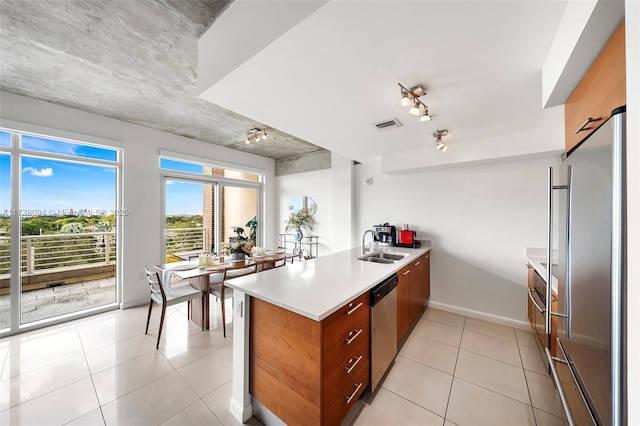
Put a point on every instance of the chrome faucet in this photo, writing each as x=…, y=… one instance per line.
x=364, y=250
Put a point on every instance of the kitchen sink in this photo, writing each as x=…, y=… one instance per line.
x=383, y=257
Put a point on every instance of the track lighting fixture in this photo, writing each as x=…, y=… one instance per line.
x=438, y=134
x=405, y=100
x=425, y=115
x=255, y=134
x=412, y=97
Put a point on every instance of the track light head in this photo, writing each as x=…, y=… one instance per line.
x=425, y=115
x=415, y=109
x=405, y=100
x=264, y=135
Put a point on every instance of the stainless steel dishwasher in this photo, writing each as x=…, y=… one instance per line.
x=384, y=330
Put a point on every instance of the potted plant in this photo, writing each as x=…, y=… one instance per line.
x=298, y=221
x=239, y=246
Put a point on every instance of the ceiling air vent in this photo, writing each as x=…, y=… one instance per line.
x=388, y=124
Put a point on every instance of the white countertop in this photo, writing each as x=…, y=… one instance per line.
x=536, y=257
x=317, y=287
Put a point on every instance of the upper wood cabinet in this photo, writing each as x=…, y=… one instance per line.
x=602, y=89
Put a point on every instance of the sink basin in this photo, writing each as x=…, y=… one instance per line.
x=383, y=257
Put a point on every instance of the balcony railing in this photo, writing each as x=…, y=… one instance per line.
x=43, y=253
x=181, y=241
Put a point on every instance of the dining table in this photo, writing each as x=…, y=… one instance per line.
x=199, y=274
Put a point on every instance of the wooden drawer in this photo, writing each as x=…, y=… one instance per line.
x=343, y=330
x=353, y=309
x=340, y=341
x=602, y=89
x=348, y=397
x=336, y=380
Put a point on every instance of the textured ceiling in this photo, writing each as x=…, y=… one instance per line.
x=134, y=61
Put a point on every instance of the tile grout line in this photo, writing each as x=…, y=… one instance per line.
x=93, y=384
x=453, y=374
x=533, y=411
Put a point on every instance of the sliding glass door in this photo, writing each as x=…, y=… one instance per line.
x=58, y=221
x=206, y=208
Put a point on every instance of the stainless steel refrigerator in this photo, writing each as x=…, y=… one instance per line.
x=589, y=364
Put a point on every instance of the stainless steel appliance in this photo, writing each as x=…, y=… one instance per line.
x=384, y=329
x=590, y=363
x=386, y=234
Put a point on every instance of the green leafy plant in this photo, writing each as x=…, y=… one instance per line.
x=253, y=226
x=300, y=220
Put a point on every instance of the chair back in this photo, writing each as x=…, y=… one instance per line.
x=280, y=260
x=239, y=269
x=155, y=283
x=270, y=262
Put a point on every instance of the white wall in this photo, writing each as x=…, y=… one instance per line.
x=479, y=219
x=317, y=185
x=141, y=230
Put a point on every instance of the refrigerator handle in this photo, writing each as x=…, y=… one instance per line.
x=547, y=314
x=550, y=188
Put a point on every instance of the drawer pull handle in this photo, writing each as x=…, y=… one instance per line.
x=417, y=263
x=584, y=125
x=542, y=311
x=349, y=398
x=351, y=337
x=406, y=272
x=348, y=369
x=352, y=310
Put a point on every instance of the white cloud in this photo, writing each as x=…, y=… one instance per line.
x=45, y=172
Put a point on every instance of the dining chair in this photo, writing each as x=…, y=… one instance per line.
x=175, y=295
x=271, y=262
x=220, y=291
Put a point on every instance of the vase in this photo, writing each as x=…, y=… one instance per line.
x=237, y=256
x=298, y=234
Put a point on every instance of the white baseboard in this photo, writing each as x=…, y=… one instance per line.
x=134, y=304
x=480, y=315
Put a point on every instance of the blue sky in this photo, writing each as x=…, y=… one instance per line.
x=182, y=197
x=55, y=185
x=52, y=185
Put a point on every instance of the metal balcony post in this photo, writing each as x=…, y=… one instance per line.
x=107, y=247
x=31, y=254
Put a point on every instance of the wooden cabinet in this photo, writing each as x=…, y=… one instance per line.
x=404, y=297
x=419, y=285
x=536, y=316
x=305, y=371
x=602, y=89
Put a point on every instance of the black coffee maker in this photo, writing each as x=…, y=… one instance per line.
x=386, y=234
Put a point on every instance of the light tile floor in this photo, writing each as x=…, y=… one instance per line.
x=457, y=370
x=105, y=370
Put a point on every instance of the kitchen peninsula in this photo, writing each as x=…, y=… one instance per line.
x=289, y=360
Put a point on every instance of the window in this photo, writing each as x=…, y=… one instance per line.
x=205, y=205
x=58, y=240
